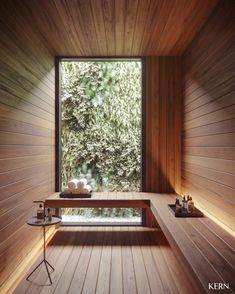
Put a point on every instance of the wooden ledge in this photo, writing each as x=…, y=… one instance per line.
x=101, y=199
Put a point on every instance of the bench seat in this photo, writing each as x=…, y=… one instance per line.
x=204, y=248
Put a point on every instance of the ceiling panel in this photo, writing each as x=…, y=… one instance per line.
x=111, y=27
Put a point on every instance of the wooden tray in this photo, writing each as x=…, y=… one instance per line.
x=70, y=195
x=196, y=212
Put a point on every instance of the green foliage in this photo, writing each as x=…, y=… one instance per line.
x=101, y=127
x=101, y=123
x=102, y=212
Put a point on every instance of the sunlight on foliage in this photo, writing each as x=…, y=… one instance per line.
x=101, y=124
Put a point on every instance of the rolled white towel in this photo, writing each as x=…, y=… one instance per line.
x=81, y=183
x=76, y=191
x=67, y=190
x=86, y=189
x=73, y=184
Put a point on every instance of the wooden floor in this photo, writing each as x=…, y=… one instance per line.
x=110, y=260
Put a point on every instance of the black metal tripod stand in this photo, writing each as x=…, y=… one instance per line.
x=44, y=258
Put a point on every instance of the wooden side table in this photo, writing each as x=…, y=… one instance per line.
x=41, y=223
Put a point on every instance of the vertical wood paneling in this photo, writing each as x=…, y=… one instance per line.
x=27, y=131
x=208, y=167
x=163, y=124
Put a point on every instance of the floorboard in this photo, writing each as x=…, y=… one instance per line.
x=115, y=260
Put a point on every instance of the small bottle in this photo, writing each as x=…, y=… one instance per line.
x=49, y=215
x=187, y=200
x=178, y=208
x=190, y=205
x=184, y=203
x=40, y=212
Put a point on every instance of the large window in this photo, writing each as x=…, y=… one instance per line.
x=101, y=131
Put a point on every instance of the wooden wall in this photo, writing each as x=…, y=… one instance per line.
x=163, y=124
x=27, y=127
x=208, y=168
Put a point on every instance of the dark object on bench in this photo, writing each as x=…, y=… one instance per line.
x=70, y=195
x=196, y=212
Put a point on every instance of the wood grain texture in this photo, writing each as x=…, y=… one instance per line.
x=206, y=250
x=208, y=160
x=115, y=260
x=113, y=27
x=27, y=138
x=163, y=124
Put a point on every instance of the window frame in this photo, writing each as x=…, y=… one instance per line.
x=58, y=152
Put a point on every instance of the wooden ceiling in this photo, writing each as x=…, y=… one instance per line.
x=112, y=27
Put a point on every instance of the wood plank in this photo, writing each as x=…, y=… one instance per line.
x=130, y=22
x=182, y=243
x=60, y=264
x=204, y=105
x=215, y=189
x=90, y=281
x=220, y=140
x=20, y=193
x=104, y=276
x=116, y=274
x=13, y=89
x=39, y=280
x=27, y=129
x=221, y=265
x=213, y=209
x=17, y=224
x=152, y=269
x=223, y=165
x=8, y=112
x=55, y=201
x=14, y=66
x=21, y=162
x=165, y=275
x=173, y=264
x=220, y=232
x=129, y=278
x=14, y=212
x=213, y=152
x=213, y=117
x=22, y=185
x=108, y=17
x=220, y=177
x=222, y=247
x=13, y=261
x=227, y=126
x=29, y=107
x=77, y=239
x=9, y=138
x=215, y=105
x=68, y=271
x=13, y=151
x=142, y=283
x=51, y=250
x=163, y=147
x=142, y=15
x=79, y=276
x=14, y=176
x=24, y=128
x=119, y=27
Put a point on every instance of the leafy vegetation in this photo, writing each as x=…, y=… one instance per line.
x=101, y=124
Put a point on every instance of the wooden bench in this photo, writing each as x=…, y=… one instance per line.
x=204, y=248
